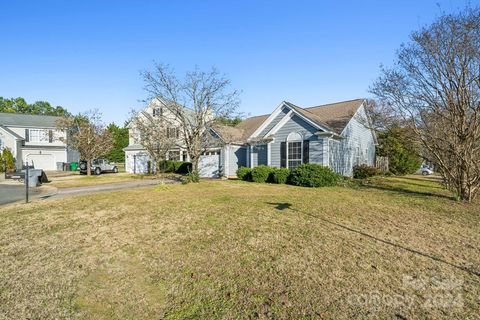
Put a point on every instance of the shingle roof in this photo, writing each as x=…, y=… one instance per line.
x=229, y=134
x=27, y=120
x=249, y=125
x=334, y=117
x=313, y=117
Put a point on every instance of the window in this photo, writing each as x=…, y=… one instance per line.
x=294, y=150
x=173, y=133
x=174, y=155
x=158, y=111
x=2, y=144
x=294, y=154
x=38, y=135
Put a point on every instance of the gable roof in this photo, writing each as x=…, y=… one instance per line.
x=311, y=116
x=27, y=120
x=332, y=117
x=336, y=115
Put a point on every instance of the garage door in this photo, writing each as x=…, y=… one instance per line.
x=209, y=165
x=138, y=163
x=42, y=161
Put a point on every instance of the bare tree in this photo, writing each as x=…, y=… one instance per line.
x=87, y=134
x=435, y=88
x=195, y=101
x=152, y=133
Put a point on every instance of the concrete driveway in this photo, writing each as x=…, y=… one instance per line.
x=14, y=192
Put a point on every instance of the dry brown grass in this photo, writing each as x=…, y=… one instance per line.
x=78, y=180
x=229, y=249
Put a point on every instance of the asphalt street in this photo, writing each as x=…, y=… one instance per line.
x=12, y=193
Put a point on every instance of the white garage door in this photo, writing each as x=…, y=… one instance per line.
x=42, y=161
x=209, y=165
x=139, y=163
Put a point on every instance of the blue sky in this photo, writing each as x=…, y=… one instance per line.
x=88, y=54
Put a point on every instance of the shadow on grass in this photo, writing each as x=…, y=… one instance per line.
x=281, y=206
x=422, y=182
x=288, y=206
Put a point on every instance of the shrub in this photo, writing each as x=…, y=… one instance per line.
x=398, y=145
x=244, y=173
x=166, y=166
x=180, y=167
x=363, y=171
x=261, y=173
x=280, y=175
x=314, y=175
x=192, y=176
x=8, y=163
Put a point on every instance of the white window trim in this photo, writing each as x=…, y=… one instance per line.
x=39, y=131
x=287, y=141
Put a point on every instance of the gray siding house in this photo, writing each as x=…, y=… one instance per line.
x=334, y=135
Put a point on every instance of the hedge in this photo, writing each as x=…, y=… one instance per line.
x=180, y=167
x=280, y=175
x=261, y=173
x=314, y=175
x=244, y=173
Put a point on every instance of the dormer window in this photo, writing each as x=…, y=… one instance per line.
x=157, y=111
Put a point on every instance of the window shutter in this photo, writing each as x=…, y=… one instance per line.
x=283, y=154
x=27, y=136
x=168, y=133
x=50, y=136
x=306, y=151
x=177, y=133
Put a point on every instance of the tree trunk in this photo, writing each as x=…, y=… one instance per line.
x=195, y=161
x=89, y=167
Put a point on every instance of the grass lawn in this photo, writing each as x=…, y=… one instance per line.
x=78, y=180
x=396, y=248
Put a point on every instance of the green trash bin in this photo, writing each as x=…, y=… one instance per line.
x=73, y=166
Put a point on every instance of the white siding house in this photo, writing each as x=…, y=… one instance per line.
x=34, y=139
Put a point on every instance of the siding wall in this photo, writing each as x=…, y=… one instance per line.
x=259, y=155
x=357, y=147
x=237, y=157
x=274, y=122
x=297, y=124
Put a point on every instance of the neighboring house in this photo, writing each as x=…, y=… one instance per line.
x=334, y=135
x=34, y=138
x=137, y=159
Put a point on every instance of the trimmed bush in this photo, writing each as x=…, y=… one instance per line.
x=363, y=171
x=261, y=173
x=244, y=173
x=314, y=175
x=180, y=167
x=280, y=175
